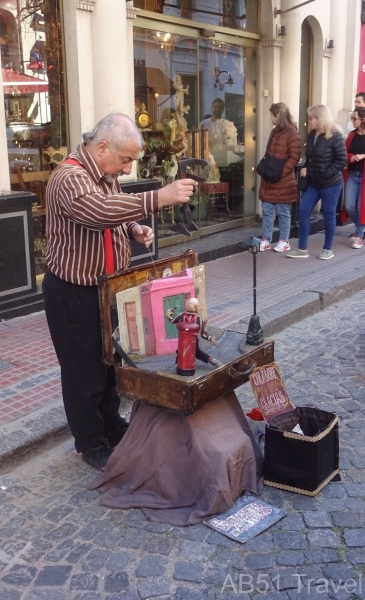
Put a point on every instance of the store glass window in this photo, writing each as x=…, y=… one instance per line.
x=235, y=14
x=32, y=73
x=191, y=100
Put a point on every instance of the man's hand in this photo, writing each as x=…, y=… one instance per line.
x=177, y=192
x=143, y=234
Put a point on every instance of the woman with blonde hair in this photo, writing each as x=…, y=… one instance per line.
x=284, y=143
x=326, y=157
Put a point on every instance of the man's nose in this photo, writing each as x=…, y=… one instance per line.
x=127, y=169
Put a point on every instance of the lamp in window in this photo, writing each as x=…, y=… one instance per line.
x=164, y=40
x=220, y=84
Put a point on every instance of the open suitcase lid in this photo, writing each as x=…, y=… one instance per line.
x=110, y=285
x=270, y=391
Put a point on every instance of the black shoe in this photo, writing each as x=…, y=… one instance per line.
x=97, y=457
x=115, y=437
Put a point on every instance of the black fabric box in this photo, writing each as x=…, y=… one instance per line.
x=302, y=463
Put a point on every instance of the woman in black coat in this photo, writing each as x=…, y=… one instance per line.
x=326, y=157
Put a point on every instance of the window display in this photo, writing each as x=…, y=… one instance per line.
x=190, y=101
x=32, y=72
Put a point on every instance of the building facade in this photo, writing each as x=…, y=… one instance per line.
x=198, y=76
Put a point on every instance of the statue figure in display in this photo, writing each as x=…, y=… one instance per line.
x=180, y=109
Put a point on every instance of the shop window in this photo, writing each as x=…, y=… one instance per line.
x=235, y=14
x=32, y=72
x=190, y=100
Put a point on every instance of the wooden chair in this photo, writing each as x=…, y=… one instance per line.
x=33, y=181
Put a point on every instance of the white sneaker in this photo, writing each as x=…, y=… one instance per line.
x=265, y=245
x=282, y=246
x=357, y=243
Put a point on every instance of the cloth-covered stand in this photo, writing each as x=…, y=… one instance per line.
x=181, y=469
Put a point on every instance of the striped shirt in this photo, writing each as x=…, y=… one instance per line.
x=80, y=204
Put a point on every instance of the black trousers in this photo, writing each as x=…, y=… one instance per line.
x=88, y=385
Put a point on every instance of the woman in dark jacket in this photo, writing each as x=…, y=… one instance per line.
x=326, y=158
x=277, y=197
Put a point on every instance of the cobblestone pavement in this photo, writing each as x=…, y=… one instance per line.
x=57, y=543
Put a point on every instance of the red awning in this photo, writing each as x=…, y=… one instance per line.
x=18, y=83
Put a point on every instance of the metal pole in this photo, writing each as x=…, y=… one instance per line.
x=254, y=283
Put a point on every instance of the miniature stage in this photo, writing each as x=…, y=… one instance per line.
x=165, y=364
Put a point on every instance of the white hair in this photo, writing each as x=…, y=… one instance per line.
x=116, y=129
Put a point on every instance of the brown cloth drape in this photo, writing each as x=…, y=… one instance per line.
x=181, y=469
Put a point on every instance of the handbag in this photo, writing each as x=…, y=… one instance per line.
x=269, y=167
x=302, y=183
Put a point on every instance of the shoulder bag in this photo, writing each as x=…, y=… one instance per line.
x=269, y=167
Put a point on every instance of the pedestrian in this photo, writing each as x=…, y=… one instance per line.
x=284, y=143
x=83, y=199
x=355, y=184
x=326, y=158
x=359, y=102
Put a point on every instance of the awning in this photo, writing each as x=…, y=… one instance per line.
x=17, y=84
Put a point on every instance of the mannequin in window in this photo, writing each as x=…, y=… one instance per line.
x=222, y=133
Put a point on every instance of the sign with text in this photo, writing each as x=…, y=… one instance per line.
x=269, y=391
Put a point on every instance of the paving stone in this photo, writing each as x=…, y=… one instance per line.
x=356, y=557
x=64, y=531
x=62, y=550
x=187, y=571
x=124, y=595
x=151, y=566
x=59, y=513
x=304, y=503
x=118, y=561
x=158, y=544
x=259, y=561
x=227, y=558
x=20, y=575
x=324, y=538
x=152, y=587
x=7, y=594
x=356, y=504
x=195, y=550
x=10, y=549
x=115, y=582
x=355, y=490
x=355, y=538
x=48, y=576
x=96, y=560
x=261, y=543
x=48, y=594
x=216, y=538
x=198, y=533
x=84, y=581
x=290, y=540
x=346, y=519
x=133, y=539
x=291, y=522
x=187, y=594
x=326, y=555
x=339, y=573
x=216, y=576
x=290, y=558
x=78, y=553
x=90, y=596
x=318, y=519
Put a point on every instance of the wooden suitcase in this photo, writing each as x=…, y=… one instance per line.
x=179, y=394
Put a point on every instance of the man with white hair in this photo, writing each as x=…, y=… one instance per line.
x=83, y=199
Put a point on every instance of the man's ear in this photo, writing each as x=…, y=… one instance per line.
x=102, y=147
